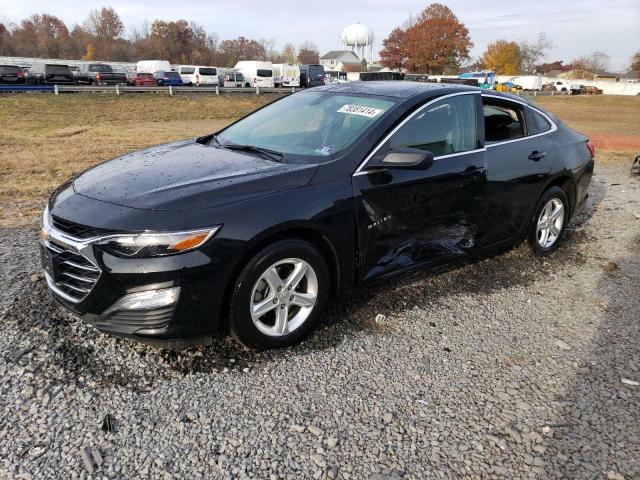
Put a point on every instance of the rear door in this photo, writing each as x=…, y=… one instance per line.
x=414, y=217
x=519, y=163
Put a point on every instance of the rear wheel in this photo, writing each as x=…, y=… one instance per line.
x=549, y=221
x=278, y=297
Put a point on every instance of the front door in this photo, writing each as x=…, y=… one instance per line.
x=407, y=217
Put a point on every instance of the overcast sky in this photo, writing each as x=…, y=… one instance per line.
x=575, y=27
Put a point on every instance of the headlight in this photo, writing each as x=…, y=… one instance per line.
x=153, y=244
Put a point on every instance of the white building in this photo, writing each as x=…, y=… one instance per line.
x=335, y=60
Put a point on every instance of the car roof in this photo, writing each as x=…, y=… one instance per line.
x=397, y=88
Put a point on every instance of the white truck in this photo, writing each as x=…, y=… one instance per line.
x=256, y=73
x=153, y=66
x=286, y=75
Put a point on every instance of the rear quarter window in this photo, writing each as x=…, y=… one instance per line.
x=536, y=123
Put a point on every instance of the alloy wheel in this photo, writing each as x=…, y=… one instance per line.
x=550, y=223
x=283, y=297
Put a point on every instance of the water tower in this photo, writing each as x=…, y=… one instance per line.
x=359, y=39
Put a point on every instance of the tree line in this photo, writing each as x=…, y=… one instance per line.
x=437, y=42
x=101, y=36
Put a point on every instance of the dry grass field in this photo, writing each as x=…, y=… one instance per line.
x=44, y=139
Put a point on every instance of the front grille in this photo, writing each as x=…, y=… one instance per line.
x=71, y=272
x=75, y=229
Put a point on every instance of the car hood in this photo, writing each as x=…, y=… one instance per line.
x=186, y=175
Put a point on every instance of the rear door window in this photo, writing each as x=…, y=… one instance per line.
x=503, y=120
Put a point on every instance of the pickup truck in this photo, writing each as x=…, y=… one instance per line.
x=99, y=74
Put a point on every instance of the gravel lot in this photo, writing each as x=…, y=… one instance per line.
x=509, y=367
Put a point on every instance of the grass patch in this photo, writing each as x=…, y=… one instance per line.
x=45, y=139
x=590, y=114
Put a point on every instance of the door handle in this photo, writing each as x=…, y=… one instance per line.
x=536, y=155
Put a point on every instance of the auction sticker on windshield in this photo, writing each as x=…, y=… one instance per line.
x=360, y=110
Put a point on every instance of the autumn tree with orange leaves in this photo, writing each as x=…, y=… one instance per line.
x=435, y=40
x=393, y=55
x=503, y=57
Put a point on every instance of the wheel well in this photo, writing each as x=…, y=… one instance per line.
x=565, y=183
x=311, y=236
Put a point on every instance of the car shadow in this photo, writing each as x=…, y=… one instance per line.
x=80, y=351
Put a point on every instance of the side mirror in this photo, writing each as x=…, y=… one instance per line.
x=405, y=158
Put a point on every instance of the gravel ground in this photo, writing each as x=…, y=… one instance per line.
x=511, y=367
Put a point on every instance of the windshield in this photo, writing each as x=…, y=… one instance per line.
x=100, y=68
x=312, y=123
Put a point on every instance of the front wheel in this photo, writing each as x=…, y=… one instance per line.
x=278, y=297
x=552, y=214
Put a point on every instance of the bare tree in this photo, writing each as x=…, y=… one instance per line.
x=289, y=53
x=596, y=62
x=534, y=52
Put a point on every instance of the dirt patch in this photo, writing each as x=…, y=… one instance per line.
x=612, y=141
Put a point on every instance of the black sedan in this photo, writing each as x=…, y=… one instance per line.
x=12, y=75
x=251, y=230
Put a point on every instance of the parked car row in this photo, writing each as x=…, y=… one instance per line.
x=246, y=73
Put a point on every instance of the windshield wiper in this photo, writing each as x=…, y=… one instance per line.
x=272, y=154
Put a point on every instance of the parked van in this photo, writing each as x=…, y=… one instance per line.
x=286, y=74
x=198, y=75
x=230, y=78
x=256, y=73
x=153, y=66
x=311, y=75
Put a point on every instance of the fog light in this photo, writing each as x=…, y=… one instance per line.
x=147, y=300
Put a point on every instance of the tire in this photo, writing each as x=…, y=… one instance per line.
x=256, y=285
x=546, y=230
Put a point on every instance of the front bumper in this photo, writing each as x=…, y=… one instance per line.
x=93, y=283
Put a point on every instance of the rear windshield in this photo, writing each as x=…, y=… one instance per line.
x=265, y=73
x=208, y=71
x=57, y=70
x=145, y=75
x=100, y=68
x=187, y=70
x=172, y=74
x=4, y=69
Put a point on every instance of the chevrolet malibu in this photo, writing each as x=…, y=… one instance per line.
x=252, y=229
